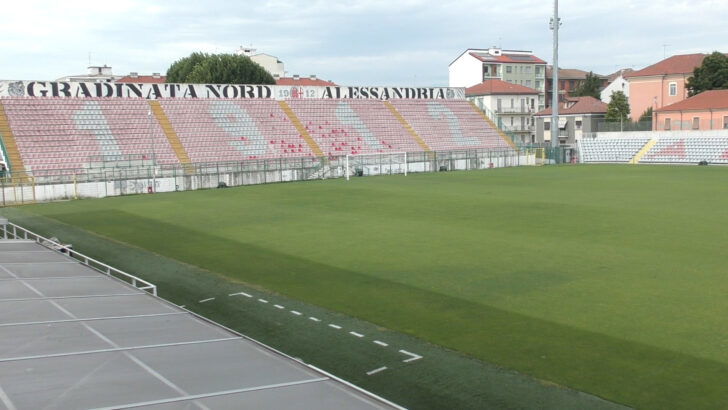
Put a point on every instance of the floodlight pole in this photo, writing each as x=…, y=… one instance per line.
x=555, y=23
x=154, y=152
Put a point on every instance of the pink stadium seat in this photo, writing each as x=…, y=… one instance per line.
x=71, y=134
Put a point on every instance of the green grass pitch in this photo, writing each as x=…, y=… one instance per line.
x=611, y=280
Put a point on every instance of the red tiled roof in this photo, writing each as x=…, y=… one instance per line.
x=578, y=105
x=569, y=73
x=507, y=58
x=495, y=86
x=716, y=99
x=623, y=72
x=680, y=64
x=145, y=79
x=304, y=81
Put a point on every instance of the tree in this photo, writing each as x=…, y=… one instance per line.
x=647, y=115
x=591, y=87
x=711, y=75
x=217, y=69
x=618, y=108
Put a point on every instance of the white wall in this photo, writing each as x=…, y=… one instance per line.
x=619, y=84
x=270, y=63
x=466, y=71
x=663, y=134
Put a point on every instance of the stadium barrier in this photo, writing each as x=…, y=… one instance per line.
x=51, y=185
x=12, y=231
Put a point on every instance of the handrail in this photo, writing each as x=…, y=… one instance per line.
x=92, y=263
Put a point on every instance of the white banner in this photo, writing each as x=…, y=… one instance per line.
x=62, y=89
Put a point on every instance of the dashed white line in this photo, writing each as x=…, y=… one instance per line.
x=375, y=371
x=262, y=301
x=279, y=307
x=381, y=343
x=356, y=334
x=206, y=300
x=241, y=293
x=296, y=313
x=314, y=319
x=412, y=358
x=335, y=326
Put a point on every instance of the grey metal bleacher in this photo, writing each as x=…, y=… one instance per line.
x=73, y=337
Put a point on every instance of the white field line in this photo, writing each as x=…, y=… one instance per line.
x=375, y=371
x=314, y=319
x=241, y=293
x=296, y=313
x=206, y=300
x=356, y=334
x=262, y=301
x=337, y=327
x=380, y=343
x=279, y=307
x=412, y=358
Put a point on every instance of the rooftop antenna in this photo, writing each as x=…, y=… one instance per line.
x=664, y=50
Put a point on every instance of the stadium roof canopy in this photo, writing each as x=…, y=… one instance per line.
x=73, y=337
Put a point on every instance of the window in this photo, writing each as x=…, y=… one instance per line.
x=577, y=124
x=572, y=84
x=511, y=102
x=538, y=84
x=528, y=69
x=696, y=123
x=547, y=126
x=538, y=70
x=725, y=122
x=673, y=89
x=528, y=83
x=509, y=69
x=667, y=124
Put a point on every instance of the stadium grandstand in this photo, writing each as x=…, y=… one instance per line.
x=56, y=132
x=655, y=147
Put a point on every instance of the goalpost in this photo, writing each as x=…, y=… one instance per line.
x=388, y=163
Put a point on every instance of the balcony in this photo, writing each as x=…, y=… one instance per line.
x=515, y=110
x=517, y=128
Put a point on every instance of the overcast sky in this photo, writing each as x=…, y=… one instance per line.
x=373, y=42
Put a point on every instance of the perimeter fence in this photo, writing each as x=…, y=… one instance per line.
x=125, y=177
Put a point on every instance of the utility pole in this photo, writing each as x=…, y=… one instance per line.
x=555, y=23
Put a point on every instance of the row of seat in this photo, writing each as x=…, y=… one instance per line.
x=688, y=150
x=77, y=129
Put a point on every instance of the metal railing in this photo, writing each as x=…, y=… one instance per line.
x=12, y=231
x=514, y=110
x=517, y=128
